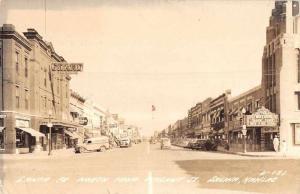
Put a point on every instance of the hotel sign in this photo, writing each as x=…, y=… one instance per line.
x=67, y=67
x=262, y=118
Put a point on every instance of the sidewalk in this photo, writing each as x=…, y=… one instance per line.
x=39, y=155
x=263, y=154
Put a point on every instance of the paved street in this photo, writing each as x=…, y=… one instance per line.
x=144, y=168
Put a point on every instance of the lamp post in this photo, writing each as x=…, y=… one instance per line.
x=244, y=130
x=50, y=125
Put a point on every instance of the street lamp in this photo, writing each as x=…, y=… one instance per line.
x=244, y=130
x=50, y=125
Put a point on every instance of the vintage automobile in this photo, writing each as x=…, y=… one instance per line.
x=165, y=143
x=200, y=144
x=125, y=142
x=190, y=143
x=93, y=144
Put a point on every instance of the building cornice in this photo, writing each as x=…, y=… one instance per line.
x=10, y=33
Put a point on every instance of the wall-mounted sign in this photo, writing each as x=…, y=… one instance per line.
x=262, y=118
x=2, y=116
x=22, y=123
x=83, y=120
x=67, y=67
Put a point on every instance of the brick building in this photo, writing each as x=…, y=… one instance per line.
x=31, y=92
x=218, y=119
x=251, y=100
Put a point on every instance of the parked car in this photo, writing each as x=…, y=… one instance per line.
x=153, y=141
x=191, y=143
x=199, y=144
x=165, y=143
x=93, y=144
x=125, y=142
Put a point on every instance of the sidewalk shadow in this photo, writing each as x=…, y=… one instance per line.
x=208, y=169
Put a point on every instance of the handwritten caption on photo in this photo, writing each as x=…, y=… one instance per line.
x=262, y=177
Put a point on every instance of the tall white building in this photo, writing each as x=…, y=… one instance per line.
x=281, y=72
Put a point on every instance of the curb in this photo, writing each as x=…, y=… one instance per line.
x=244, y=154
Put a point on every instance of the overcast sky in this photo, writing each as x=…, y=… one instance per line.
x=171, y=54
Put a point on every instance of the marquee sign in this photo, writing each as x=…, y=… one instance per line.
x=262, y=118
x=67, y=67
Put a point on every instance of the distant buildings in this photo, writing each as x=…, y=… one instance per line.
x=32, y=95
x=279, y=93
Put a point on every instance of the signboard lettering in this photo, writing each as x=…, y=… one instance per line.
x=67, y=67
x=262, y=118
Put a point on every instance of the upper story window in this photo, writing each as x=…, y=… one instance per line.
x=17, y=97
x=298, y=66
x=57, y=85
x=17, y=61
x=66, y=91
x=298, y=99
x=26, y=99
x=26, y=66
x=45, y=78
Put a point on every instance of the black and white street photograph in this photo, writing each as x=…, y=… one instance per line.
x=149, y=96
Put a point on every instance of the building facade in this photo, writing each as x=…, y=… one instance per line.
x=218, y=118
x=281, y=72
x=251, y=101
x=32, y=95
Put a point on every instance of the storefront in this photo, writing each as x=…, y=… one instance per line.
x=63, y=135
x=27, y=139
x=2, y=135
x=72, y=137
x=261, y=128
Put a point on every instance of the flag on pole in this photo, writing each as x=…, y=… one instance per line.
x=153, y=108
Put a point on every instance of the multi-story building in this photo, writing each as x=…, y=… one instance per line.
x=205, y=121
x=281, y=72
x=250, y=100
x=196, y=116
x=218, y=107
x=31, y=92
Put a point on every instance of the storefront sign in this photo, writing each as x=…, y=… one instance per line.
x=22, y=123
x=83, y=120
x=262, y=118
x=67, y=67
x=297, y=133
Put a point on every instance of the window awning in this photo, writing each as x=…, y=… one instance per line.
x=73, y=135
x=32, y=132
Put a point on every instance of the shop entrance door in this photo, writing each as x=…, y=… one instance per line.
x=269, y=141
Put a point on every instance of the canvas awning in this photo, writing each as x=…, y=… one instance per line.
x=32, y=132
x=73, y=135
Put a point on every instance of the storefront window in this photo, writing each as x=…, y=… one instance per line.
x=297, y=133
x=21, y=141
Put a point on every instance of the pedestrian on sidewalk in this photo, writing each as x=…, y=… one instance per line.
x=284, y=148
x=276, y=143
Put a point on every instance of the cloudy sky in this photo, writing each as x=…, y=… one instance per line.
x=171, y=54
